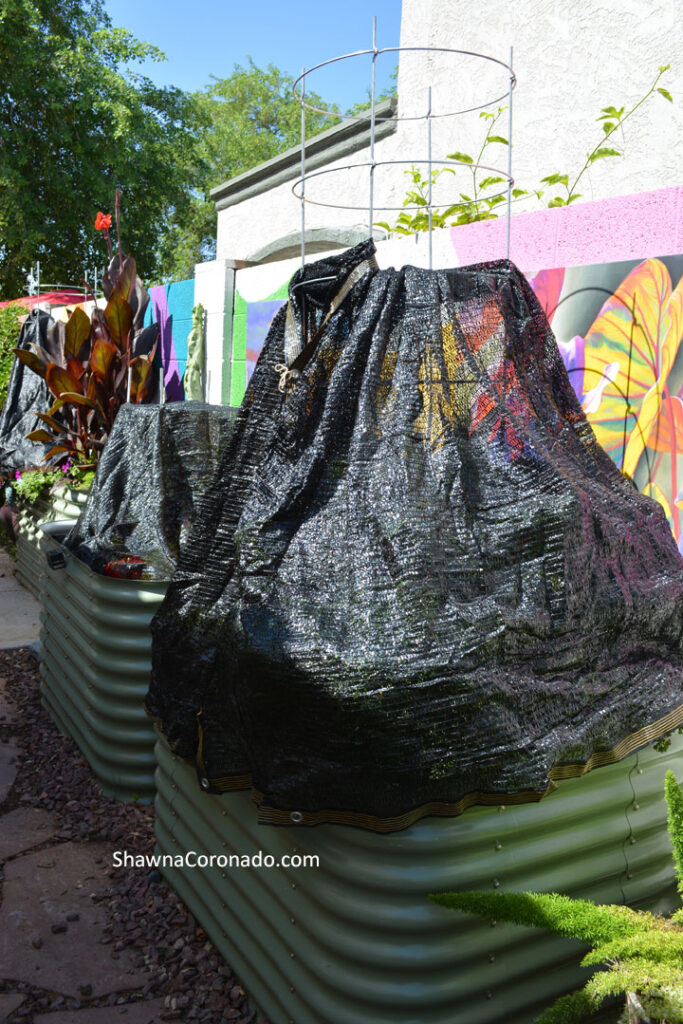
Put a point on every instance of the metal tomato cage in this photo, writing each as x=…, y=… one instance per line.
x=301, y=188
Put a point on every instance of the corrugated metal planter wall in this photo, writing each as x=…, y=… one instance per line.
x=355, y=940
x=96, y=659
x=66, y=503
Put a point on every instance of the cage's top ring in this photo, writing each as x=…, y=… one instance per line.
x=363, y=116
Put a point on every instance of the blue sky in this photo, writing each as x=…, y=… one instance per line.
x=208, y=37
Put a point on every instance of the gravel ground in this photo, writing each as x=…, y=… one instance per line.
x=184, y=968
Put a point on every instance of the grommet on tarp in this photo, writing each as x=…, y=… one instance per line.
x=297, y=817
x=204, y=783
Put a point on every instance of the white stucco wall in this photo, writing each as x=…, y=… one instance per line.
x=570, y=60
x=247, y=226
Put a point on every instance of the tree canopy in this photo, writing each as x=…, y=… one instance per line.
x=248, y=117
x=75, y=123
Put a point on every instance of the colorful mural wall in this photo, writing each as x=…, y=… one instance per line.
x=171, y=308
x=619, y=327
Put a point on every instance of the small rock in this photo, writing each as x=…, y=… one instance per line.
x=59, y=928
x=73, y=916
x=37, y=942
x=85, y=990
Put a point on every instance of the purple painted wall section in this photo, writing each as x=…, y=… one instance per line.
x=622, y=228
x=162, y=316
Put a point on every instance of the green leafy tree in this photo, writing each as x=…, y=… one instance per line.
x=248, y=117
x=75, y=123
x=643, y=952
x=9, y=334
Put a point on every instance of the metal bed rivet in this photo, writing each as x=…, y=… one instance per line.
x=296, y=817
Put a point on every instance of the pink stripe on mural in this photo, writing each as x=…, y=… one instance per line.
x=621, y=228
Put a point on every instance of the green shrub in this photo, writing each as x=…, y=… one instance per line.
x=9, y=333
x=643, y=952
x=33, y=484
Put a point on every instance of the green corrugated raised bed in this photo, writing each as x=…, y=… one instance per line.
x=65, y=504
x=96, y=650
x=355, y=941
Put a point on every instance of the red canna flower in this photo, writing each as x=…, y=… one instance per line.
x=102, y=221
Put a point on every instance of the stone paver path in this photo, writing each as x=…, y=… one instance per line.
x=81, y=940
x=8, y=1004
x=20, y=612
x=131, y=1013
x=52, y=916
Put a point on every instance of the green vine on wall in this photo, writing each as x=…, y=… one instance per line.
x=479, y=202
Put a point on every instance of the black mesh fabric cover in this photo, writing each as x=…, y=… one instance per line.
x=27, y=394
x=156, y=463
x=417, y=582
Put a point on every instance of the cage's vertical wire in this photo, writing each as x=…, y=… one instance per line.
x=38, y=279
x=512, y=79
x=303, y=167
x=429, y=173
x=373, y=86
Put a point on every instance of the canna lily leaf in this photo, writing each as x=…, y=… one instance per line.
x=39, y=435
x=76, y=398
x=75, y=367
x=52, y=423
x=119, y=318
x=125, y=282
x=99, y=325
x=60, y=449
x=142, y=376
x=31, y=360
x=60, y=380
x=76, y=333
x=101, y=358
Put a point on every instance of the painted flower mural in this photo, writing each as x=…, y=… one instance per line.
x=627, y=370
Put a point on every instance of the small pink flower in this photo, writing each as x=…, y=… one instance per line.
x=17, y=475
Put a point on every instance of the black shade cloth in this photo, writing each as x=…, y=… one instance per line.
x=27, y=394
x=417, y=581
x=156, y=463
